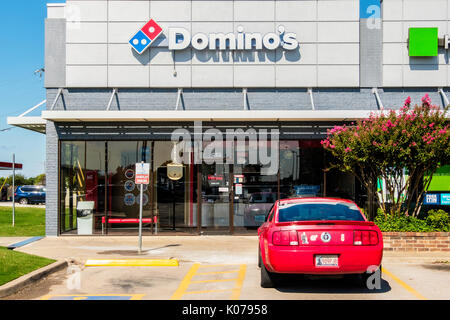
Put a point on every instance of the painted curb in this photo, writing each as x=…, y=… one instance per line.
x=24, y=243
x=15, y=285
x=133, y=263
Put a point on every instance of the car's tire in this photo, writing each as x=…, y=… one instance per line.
x=259, y=257
x=23, y=201
x=268, y=279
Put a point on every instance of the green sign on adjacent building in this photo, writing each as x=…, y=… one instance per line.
x=441, y=180
x=423, y=42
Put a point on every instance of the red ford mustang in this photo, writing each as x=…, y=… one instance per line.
x=318, y=236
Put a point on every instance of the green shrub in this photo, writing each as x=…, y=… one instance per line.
x=401, y=223
x=438, y=220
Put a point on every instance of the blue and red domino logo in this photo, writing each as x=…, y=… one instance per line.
x=144, y=37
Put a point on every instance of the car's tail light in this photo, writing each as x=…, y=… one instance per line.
x=373, y=238
x=365, y=238
x=15, y=194
x=285, y=238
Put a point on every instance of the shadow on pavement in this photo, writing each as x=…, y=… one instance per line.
x=438, y=267
x=346, y=285
x=135, y=252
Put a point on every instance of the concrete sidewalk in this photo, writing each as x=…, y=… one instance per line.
x=201, y=249
x=6, y=241
x=9, y=204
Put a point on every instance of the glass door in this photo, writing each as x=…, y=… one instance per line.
x=174, y=198
x=255, y=186
x=216, y=193
x=170, y=199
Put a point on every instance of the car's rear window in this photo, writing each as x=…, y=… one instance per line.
x=336, y=211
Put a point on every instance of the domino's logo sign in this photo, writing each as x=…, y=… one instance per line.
x=180, y=39
x=144, y=37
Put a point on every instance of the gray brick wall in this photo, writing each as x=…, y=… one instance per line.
x=51, y=205
x=233, y=99
x=370, y=55
x=55, y=53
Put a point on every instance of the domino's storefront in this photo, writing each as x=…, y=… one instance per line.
x=226, y=100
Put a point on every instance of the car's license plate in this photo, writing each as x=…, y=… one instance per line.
x=260, y=218
x=327, y=261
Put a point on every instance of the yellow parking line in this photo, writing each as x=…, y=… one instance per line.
x=133, y=263
x=218, y=272
x=213, y=280
x=240, y=281
x=185, y=283
x=235, y=292
x=403, y=284
x=207, y=291
x=214, y=265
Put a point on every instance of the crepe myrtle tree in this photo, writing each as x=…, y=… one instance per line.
x=404, y=148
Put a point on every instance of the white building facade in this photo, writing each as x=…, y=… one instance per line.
x=121, y=76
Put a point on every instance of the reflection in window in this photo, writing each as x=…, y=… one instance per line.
x=73, y=183
x=301, y=168
x=319, y=212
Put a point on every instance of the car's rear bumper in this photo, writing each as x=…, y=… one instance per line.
x=301, y=260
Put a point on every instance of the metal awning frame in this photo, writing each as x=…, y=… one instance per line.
x=179, y=113
x=206, y=115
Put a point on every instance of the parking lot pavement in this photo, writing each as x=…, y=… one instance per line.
x=226, y=270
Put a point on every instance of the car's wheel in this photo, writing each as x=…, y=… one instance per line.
x=268, y=279
x=366, y=275
x=23, y=201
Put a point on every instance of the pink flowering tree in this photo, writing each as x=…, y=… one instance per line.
x=404, y=148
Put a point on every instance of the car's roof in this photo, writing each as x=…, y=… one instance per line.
x=31, y=186
x=315, y=199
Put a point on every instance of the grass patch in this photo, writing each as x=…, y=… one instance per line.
x=15, y=264
x=29, y=222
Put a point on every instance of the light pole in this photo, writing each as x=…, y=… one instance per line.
x=13, y=191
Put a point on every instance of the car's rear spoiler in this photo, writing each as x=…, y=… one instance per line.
x=321, y=222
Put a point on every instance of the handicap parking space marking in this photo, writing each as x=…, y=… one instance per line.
x=198, y=269
x=95, y=297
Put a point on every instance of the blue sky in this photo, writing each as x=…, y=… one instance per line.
x=22, y=43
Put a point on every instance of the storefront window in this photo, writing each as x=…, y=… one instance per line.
x=102, y=175
x=301, y=168
x=73, y=183
x=235, y=194
x=96, y=180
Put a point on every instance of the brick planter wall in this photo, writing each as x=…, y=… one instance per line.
x=416, y=241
